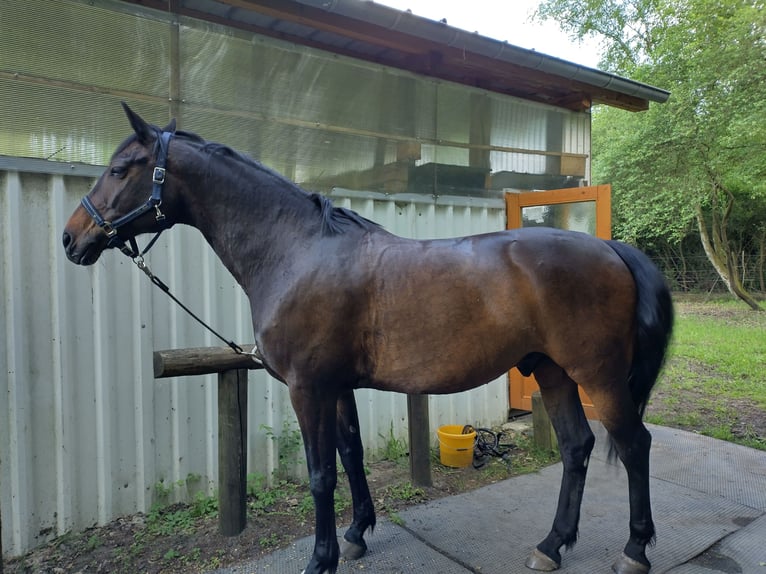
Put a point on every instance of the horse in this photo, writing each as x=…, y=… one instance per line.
x=338, y=303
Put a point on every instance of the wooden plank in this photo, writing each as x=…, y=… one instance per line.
x=232, y=451
x=544, y=435
x=420, y=440
x=200, y=361
x=604, y=211
x=573, y=165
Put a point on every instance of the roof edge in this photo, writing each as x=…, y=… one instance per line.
x=420, y=27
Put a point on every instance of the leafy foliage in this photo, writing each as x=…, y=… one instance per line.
x=704, y=151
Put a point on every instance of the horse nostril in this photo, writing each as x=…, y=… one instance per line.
x=66, y=239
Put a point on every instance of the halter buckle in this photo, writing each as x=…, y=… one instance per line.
x=158, y=215
x=158, y=176
x=108, y=229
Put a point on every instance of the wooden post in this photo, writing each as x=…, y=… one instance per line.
x=232, y=451
x=420, y=440
x=544, y=435
x=232, y=420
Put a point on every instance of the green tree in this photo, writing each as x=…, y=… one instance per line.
x=697, y=162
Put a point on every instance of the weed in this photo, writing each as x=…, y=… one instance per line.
x=193, y=556
x=165, y=521
x=203, y=505
x=395, y=448
x=396, y=519
x=531, y=458
x=305, y=506
x=255, y=482
x=405, y=491
x=171, y=554
x=94, y=542
x=162, y=491
x=263, y=499
x=341, y=502
x=270, y=541
x=289, y=446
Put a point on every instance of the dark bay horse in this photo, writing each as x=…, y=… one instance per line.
x=338, y=303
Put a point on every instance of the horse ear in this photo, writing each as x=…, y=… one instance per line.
x=171, y=127
x=143, y=130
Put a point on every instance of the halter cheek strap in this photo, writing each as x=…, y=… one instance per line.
x=154, y=202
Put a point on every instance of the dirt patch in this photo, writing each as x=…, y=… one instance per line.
x=694, y=411
x=700, y=306
x=173, y=541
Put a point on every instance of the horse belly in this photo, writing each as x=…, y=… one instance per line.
x=447, y=339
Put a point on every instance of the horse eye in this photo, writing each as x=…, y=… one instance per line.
x=118, y=171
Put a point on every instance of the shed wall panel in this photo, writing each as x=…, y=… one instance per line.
x=86, y=432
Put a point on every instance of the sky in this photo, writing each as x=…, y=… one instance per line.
x=504, y=20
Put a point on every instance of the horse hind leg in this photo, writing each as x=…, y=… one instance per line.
x=351, y=454
x=562, y=401
x=632, y=441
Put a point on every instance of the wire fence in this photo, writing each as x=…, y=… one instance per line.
x=695, y=273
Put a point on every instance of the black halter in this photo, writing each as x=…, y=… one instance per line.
x=111, y=227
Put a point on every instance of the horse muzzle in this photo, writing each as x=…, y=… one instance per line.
x=83, y=241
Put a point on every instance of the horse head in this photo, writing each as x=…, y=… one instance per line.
x=133, y=196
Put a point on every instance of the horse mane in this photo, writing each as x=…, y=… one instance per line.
x=335, y=220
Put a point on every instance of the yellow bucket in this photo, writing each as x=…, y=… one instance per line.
x=455, y=448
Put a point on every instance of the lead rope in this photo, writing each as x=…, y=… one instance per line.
x=138, y=259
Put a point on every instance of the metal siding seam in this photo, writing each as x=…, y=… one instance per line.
x=59, y=320
x=161, y=326
x=18, y=396
x=101, y=348
x=209, y=281
x=242, y=325
x=175, y=253
x=4, y=385
x=142, y=342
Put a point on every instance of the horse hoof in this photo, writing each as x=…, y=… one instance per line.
x=626, y=565
x=539, y=561
x=351, y=551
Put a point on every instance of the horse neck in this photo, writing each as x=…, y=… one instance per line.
x=254, y=219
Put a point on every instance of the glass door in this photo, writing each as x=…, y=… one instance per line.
x=586, y=209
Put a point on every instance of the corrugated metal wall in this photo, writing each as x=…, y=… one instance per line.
x=86, y=433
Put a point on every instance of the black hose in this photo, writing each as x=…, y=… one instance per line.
x=487, y=445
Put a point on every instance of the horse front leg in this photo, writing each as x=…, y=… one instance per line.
x=316, y=413
x=351, y=454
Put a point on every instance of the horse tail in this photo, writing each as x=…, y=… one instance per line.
x=654, y=322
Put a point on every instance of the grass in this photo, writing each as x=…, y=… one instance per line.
x=714, y=382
